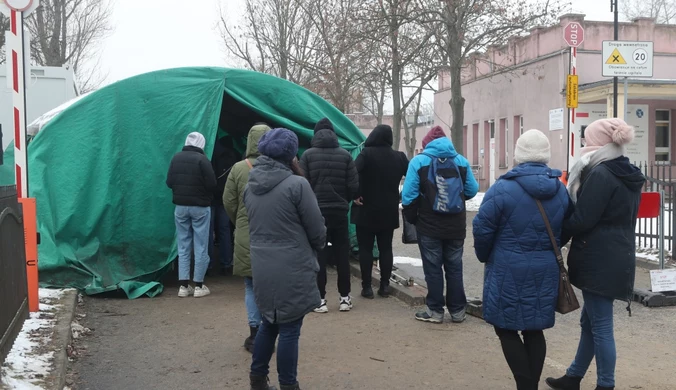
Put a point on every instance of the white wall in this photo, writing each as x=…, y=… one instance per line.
x=47, y=88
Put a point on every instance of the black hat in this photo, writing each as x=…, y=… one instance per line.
x=324, y=124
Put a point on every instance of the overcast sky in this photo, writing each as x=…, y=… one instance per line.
x=158, y=34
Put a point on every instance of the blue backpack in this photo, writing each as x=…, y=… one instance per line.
x=445, y=188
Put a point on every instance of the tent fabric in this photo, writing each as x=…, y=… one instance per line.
x=98, y=167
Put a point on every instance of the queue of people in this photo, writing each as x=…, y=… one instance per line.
x=291, y=221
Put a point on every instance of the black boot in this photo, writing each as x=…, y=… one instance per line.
x=604, y=388
x=290, y=387
x=384, y=291
x=249, y=341
x=367, y=292
x=260, y=383
x=564, y=383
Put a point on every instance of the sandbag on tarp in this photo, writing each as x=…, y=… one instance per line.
x=98, y=168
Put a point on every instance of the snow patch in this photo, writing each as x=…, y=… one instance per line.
x=474, y=203
x=408, y=260
x=30, y=361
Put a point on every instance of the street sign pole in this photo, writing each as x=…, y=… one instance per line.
x=573, y=35
x=626, y=98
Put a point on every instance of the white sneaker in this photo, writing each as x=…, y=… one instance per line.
x=346, y=303
x=202, y=291
x=185, y=291
x=322, y=308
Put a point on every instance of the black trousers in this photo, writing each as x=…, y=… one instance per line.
x=365, y=239
x=525, y=357
x=337, y=253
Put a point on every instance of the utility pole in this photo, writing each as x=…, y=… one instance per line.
x=615, y=9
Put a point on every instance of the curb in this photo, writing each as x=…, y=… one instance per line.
x=413, y=295
x=651, y=299
x=62, y=338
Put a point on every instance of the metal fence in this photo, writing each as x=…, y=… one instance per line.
x=13, y=287
x=659, y=178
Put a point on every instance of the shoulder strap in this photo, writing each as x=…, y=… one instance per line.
x=557, y=250
x=248, y=163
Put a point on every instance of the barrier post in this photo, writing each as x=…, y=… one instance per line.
x=661, y=223
x=18, y=61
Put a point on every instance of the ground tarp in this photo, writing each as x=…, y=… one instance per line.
x=98, y=168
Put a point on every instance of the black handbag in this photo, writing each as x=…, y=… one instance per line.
x=409, y=234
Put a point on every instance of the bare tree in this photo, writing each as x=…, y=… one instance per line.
x=467, y=26
x=341, y=63
x=663, y=11
x=400, y=26
x=273, y=36
x=68, y=32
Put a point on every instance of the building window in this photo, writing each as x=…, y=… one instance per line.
x=475, y=144
x=503, y=142
x=520, y=124
x=662, y=135
x=492, y=127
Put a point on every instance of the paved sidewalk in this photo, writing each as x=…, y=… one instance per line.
x=172, y=343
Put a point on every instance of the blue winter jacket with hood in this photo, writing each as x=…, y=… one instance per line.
x=418, y=210
x=521, y=279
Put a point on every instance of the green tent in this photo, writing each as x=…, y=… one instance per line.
x=98, y=168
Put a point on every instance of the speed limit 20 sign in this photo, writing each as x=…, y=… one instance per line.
x=627, y=59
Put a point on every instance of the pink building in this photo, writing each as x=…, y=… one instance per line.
x=521, y=86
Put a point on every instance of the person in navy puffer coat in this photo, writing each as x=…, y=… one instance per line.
x=522, y=276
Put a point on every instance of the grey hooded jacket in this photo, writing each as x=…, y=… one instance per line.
x=286, y=230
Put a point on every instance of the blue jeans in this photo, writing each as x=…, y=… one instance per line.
x=192, y=231
x=220, y=220
x=443, y=258
x=287, y=350
x=254, y=316
x=596, y=341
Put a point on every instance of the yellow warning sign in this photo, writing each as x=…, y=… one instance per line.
x=616, y=58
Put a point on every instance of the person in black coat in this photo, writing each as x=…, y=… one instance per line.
x=192, y=181
x=222, y=160
x=606, y=190
x=376, y=212
x=334, y=180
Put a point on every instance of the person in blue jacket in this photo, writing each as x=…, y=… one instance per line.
x=521, y=278
x=441, y=236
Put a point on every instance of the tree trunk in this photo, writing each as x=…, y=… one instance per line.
x=457, y=103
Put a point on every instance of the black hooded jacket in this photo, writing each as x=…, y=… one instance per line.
x=191, y=178
x=331, y=172
x=380, y=171
x=602, y=258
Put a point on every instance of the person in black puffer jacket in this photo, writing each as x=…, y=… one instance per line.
x=334, y=180
x=376, y=213
x=606, y=190
x=193, y=182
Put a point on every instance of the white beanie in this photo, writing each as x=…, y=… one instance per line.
x=532, y=146
x=195, y=139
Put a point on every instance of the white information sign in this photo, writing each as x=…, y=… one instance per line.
x=556, y=119
x=627, y=59
x=663, y=280
x=637, y=116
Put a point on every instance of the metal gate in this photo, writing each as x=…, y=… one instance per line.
x=13, y=285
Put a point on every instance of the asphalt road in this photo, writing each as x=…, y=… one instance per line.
x=171, y=343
